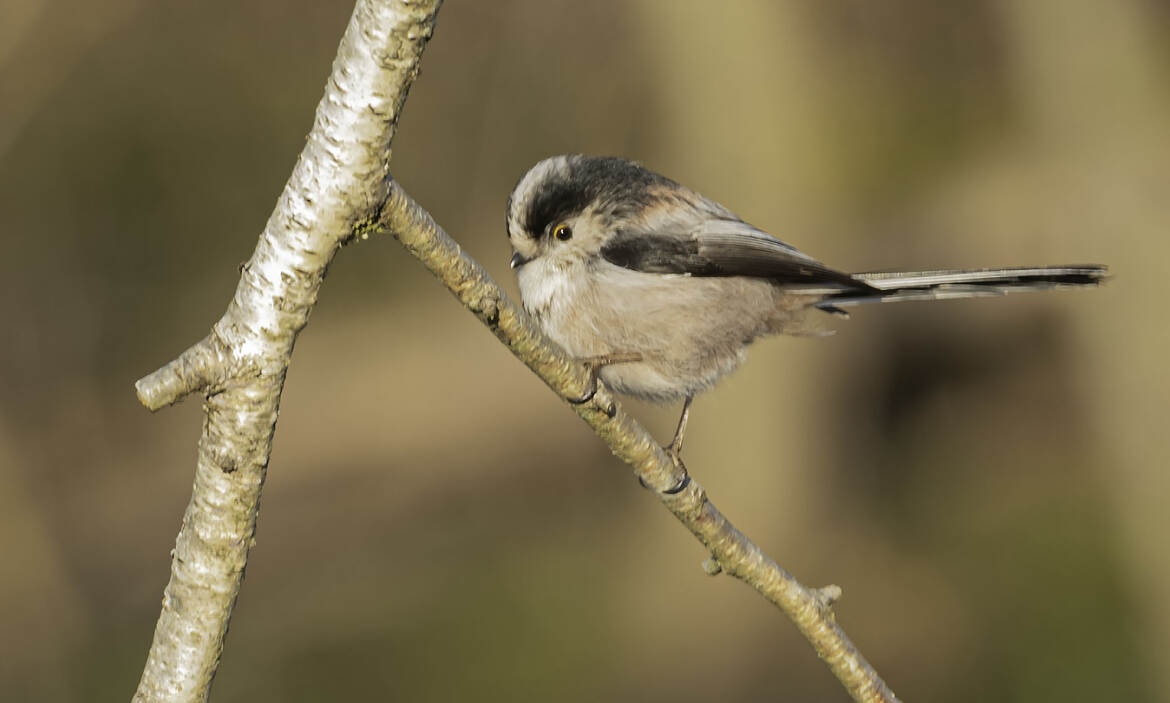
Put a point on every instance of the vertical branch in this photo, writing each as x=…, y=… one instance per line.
x=341, y=183
x=240, y=367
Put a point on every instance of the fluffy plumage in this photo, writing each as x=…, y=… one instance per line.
x=612, y=258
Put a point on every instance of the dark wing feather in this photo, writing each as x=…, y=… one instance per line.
x=723, y=247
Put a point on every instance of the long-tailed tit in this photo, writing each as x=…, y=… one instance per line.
x=661, y=290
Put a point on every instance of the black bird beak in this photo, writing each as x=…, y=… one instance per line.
x=518, y=260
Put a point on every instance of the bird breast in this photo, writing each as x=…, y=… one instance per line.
x=546, y=288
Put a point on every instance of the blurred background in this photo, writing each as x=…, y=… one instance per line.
x=987, y=480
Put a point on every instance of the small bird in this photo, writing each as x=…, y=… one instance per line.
x=659, y=290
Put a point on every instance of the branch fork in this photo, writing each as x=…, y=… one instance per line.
x=340, y=191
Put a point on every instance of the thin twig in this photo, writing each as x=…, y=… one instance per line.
x=731, y=550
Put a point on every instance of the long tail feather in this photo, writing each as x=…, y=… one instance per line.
x=886, y=287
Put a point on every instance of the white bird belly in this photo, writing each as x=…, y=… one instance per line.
x=689, y=330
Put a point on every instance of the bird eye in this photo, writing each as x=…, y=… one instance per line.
x=563, y=233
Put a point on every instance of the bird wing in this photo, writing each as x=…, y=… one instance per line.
x=722, y=247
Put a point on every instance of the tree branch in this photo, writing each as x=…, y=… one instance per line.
x=731, y=550
x=339, y=188
x=240, y=367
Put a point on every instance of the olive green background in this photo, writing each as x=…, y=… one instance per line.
x=987, y=480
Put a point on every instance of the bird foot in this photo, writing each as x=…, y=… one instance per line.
x=594, y=364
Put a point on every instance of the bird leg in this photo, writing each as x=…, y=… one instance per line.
x=675, y=445
x=594, y=364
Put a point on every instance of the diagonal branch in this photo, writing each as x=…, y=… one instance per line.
x=340, y=187
x=240, y=366
x=732, y=551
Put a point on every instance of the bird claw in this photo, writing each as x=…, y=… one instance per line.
x=588, y=395
x=673, y=490
x=594, y=364
x=679, y=487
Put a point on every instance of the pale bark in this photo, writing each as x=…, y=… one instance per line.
x=810, y=609
x=340, y=189
x=240, y=366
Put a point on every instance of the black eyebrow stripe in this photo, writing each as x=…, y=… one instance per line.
x=560, y=200
x=614, y=184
